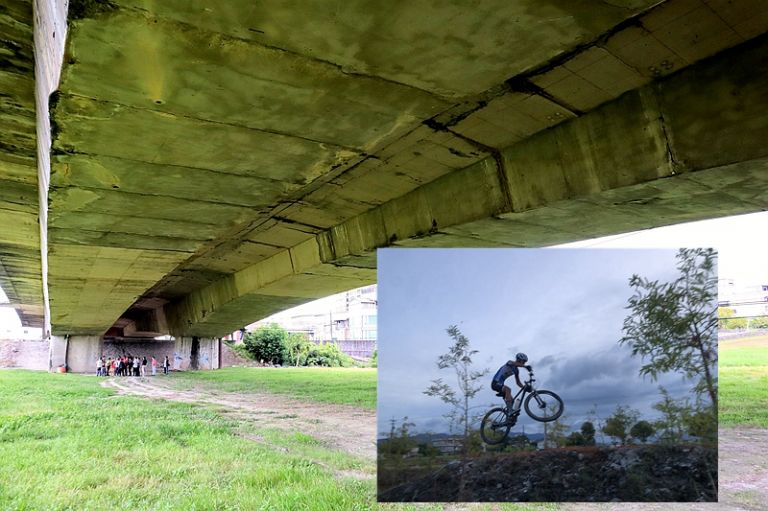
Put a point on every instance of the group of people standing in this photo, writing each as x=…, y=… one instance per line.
x=128, y=365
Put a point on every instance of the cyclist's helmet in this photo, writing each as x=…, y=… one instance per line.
x=521, y=357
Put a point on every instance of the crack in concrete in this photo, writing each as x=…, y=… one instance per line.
x=675, y=165
x=523, y=85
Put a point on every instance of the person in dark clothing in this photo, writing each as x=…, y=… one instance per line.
x=504, y=372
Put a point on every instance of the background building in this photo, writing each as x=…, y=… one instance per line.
x=348, y=319
x=746, y=298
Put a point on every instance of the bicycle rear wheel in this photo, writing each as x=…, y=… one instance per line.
x=544, y=406
x=494, y=428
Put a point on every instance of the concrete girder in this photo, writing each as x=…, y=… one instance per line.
x=672, y=151
x=366, y=128
x=20, y=275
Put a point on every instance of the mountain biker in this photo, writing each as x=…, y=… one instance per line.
x=504, y=372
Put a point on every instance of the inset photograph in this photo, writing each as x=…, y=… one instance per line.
x=547, y=375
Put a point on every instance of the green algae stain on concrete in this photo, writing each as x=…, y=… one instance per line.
x=82, y=9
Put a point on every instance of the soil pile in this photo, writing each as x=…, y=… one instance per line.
x=630, y=474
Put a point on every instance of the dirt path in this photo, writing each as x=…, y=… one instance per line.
x=742, y=472
x=349, y=429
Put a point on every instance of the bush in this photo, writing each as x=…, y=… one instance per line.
x=375, y=359
x=267, y=343
x=297, y=347
x=327, y=355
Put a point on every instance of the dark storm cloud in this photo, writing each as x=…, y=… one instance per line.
x=564, y=309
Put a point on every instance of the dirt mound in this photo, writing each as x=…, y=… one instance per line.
x=634, y=474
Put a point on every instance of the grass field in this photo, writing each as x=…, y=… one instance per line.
x=356, y=387
x=67, y=443
x=744, y=382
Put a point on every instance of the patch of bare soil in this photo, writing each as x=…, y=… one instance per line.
x=742, y=473
x=345, y=428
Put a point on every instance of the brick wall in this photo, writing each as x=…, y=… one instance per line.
x=158, y=349
x=24, y=354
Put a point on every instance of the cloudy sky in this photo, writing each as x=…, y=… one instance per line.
x=564, y=308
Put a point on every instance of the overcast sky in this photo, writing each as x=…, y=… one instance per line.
x=564, y=308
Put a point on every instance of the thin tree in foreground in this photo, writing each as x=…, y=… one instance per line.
x=674, y=325
x=458, y=359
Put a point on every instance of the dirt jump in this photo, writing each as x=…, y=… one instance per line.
x=742, y=472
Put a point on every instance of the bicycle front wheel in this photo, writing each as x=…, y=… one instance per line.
x=544, y=406
x=495, y=428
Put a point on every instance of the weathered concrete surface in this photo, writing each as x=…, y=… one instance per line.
x=147, y=348
x=20, y=275
x=227, y=161
x=195, y=353
x=50, y=34
x=82, y=353
x=627, y=165
x=24, y=354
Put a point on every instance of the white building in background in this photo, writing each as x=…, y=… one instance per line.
x=342, y=317
x=747, y=299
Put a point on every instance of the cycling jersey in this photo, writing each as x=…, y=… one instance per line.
x=505, y=372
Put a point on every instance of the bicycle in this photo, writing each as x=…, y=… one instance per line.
x=547, y=407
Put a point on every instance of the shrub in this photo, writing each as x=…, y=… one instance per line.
x=328, y=355
x=267, y=343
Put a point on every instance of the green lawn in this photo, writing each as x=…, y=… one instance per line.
x=744, y=382
x=67, y=443
x=356, y=387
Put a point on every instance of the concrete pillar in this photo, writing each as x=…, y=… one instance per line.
x=57, y=352
x=83, y=352
x=182, y=353
x=196, y=353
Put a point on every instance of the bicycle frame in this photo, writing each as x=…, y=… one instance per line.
x=522, y=392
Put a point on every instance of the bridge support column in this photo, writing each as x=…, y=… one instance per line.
x=83, y=352
x=57, y=352
x=196, y=353
x=77, y=352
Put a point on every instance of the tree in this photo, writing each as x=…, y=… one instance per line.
x=674, y=325
x=575, y=438
x=267, y=343
x=642, y=430
x=459, y=359
x=671, y=423
x=588, y=433
x=555, y=434
x=399, y=441
x=702, y=423
x=617, y=425
x=297, y=348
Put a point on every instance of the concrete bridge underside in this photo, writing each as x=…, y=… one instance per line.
x=212, y=166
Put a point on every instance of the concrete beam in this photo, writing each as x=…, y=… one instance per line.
x=20, y=250
x=684, y=148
